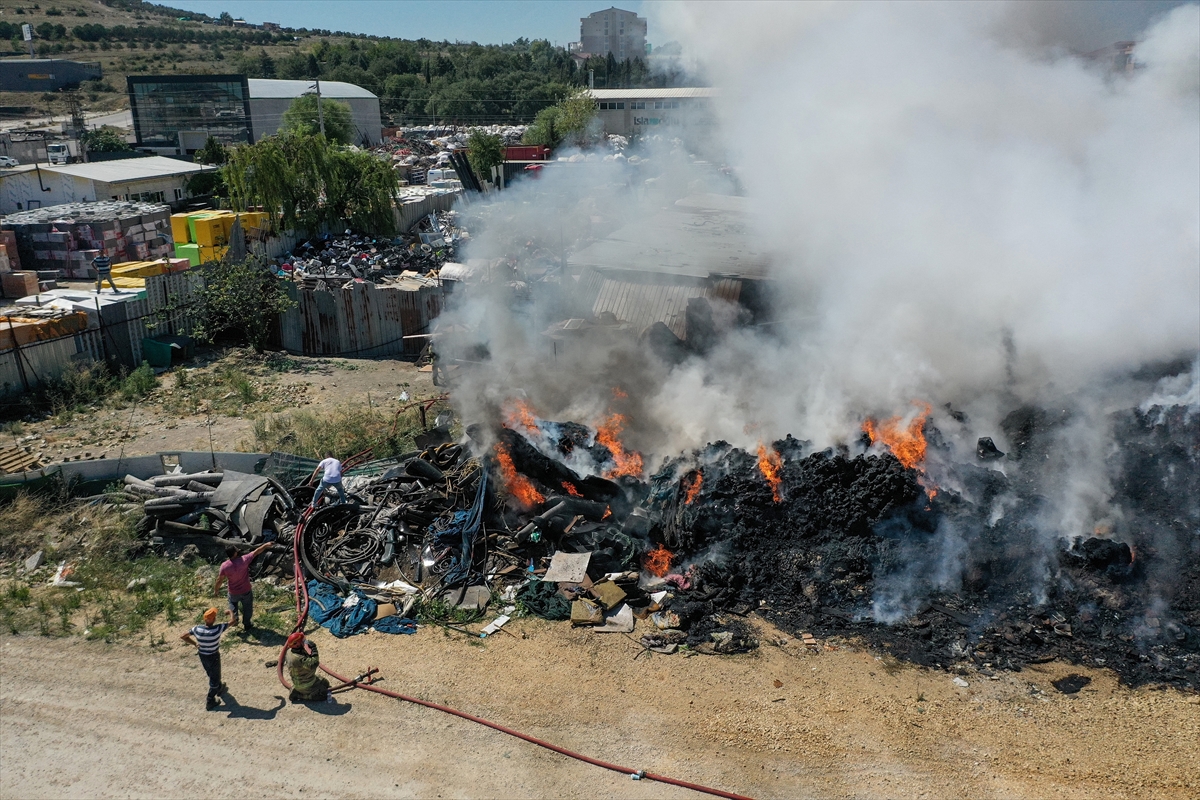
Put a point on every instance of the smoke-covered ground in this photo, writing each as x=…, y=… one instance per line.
x=960, y=215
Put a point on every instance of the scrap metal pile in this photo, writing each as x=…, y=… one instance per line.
x=210, y=510
x=338, y=259
x=416, y=150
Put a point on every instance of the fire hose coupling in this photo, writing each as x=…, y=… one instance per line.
x=637, y=776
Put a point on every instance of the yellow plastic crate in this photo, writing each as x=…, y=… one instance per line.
x=179, y=228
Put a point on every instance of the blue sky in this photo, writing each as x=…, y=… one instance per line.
x=483, y=21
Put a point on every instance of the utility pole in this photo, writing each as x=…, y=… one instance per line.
x=75, y=107
x=320, y=111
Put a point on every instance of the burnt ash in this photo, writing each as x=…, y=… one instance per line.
x=856, y=540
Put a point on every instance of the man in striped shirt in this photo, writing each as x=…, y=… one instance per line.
x=103, y=266
x=207, y=640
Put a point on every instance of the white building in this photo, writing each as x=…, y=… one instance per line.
x=622, y=33
x=152, y=179
x=635, y=111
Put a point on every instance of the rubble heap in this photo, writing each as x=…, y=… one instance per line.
x=338, y=259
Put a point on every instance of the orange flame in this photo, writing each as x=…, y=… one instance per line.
x=771, y=465
x=905, y=442
x=570, y=489
x=658, y=561
x=620, y=393
x=519, y=414
x=519, y=487
x=626, y=463
x=691, y=486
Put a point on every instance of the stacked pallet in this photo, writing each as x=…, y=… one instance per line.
x=67, y=237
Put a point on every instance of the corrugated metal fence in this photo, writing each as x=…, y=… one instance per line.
x=38, y=363
x=361, y=319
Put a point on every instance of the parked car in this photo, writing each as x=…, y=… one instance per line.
x=9, y=161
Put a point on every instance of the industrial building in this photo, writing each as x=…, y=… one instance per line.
x=269, y=99
x=627, y=112
x=45, y=74
x=175, y=114
x=622, y=33
x=153, y=179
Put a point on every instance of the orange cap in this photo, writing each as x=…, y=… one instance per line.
x=295, y=640
x=210, y=616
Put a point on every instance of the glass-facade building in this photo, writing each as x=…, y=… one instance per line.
x=168, y=108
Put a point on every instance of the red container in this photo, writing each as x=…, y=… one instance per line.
x=526, y=152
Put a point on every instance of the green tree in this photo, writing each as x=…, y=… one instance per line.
x=104, y=140
x=484, y=151
x=209, y=183
x=570, y=120
x=213, y=153
x=241, y=300
x=258, y=65
x=302, y=117
x=303, y=181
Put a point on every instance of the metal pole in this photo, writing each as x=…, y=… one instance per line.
x=17, y=354
x=320, y=110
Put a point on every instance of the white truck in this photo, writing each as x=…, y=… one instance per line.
x=58, y=153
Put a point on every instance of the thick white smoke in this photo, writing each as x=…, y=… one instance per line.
x=956, y=211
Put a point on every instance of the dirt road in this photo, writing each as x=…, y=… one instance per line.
x=81, y=719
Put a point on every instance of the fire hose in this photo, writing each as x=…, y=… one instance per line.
x=366, y=681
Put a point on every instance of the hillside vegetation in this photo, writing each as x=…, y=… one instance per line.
x=417, y=81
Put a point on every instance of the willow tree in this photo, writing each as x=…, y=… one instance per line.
x=305, y=182
x=571, y=119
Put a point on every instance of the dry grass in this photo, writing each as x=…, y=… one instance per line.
x=344, y=431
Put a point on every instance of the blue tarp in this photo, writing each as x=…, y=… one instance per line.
x=327, y=608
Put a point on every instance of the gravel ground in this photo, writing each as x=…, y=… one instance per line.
x=82, y=719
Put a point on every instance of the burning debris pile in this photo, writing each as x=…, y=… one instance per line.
x=344, y=258
x=860, y=541
x=937, y=557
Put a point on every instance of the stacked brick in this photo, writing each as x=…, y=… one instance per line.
x=67, y=237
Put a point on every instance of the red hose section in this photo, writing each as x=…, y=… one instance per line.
x=302, y=617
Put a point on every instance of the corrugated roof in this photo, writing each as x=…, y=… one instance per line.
x=266, y=89
x=651, y=94
x=125, y=170
x=641, y=299
x=701, y=236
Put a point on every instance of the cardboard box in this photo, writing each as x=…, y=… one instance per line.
x=19, y=284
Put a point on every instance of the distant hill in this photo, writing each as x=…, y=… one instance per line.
x=417, y=81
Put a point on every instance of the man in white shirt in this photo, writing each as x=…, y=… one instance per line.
x=332, y=476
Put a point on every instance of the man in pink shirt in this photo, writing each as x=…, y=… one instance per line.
x=236, y=570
